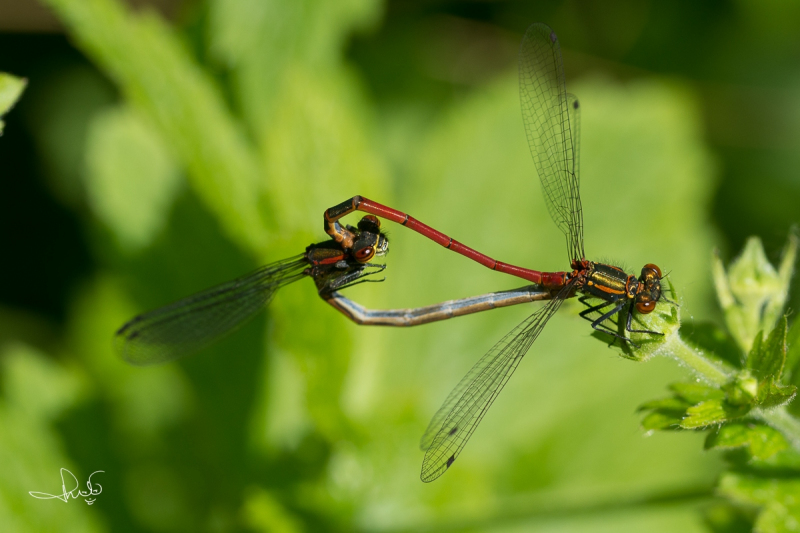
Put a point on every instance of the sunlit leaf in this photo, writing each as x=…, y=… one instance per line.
x=766, y=358
x=777, y=498
x=153, y=69
x=131, y=178
x=662, y=420
x=772, y=394
x=666, y=404
x=711, y=412
x=696, y=392
x=761, y=441
x=11, y=89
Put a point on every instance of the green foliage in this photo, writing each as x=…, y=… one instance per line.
x=752, y=292
x=11, y=89
x=130, y=177
x=228, y=143
x=745, y=413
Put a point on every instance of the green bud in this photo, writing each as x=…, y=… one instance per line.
x=752, y=292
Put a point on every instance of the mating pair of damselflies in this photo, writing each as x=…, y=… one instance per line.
x=552, y=123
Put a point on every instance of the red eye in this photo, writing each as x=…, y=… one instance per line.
x=651, y=266
x=645, y=307
x=364, y=254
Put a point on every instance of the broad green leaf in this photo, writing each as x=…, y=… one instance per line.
x=661, y=420
x=711, y=412
x=131, y=179
x=666, y=404
x=36, y=390
x=767, y=358
x=696, y=392
x=771, y=394
x=777, y=498
x=158, y=76
x=11, y=89
x=35, y=385
x=309, y=34
x=762, y=441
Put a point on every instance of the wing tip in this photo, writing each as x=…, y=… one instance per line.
x=428, y=475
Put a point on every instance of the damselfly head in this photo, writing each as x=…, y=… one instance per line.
x=649, y=290
x=370, y=240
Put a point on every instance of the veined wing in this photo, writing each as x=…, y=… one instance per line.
x=551, y=119
x=189, y=325
x=464, y=408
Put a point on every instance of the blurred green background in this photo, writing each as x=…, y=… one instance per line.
x=156, y=154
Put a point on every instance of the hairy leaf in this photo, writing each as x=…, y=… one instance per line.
x=662, y=420
x=771, y=394
x=696, y=392
x=760, y=440
x=711, y=412
x=767, y=357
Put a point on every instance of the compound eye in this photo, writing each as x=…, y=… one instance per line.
x=651, y=266
x=645, y=307
x=370, y=223
x=364, y=254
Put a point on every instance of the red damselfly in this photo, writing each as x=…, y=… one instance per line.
x=189, y=325
x=552, y=123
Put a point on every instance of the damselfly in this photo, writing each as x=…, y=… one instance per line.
x=189, y=325
x=552, y=124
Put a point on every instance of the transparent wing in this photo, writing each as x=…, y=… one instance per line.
x=462, y=411
x=551, y=119
x=189, y=325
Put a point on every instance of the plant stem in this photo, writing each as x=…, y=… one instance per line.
x=708, y=370
x=781, y=420
x=716, y=374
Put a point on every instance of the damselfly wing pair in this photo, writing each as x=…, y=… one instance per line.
x=551, y=118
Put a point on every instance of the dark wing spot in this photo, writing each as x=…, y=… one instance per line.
x=452, y=431
x=450, y=460
x=133, y=335
x=575, y=104
x=553, y=37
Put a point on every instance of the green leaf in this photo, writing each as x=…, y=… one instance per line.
x=761, y=441
x=662, y=420
x=778, y=499
x=752, y=293
x=158, y=76
x=131, y=179
x=11, y=88
x=667, y=413
x=666, y=404
x=792, y=366
x=766, y=358
x=727, y=518
x=695, y=392
x=771, y=394
x=711, y=412
x=742, y=389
